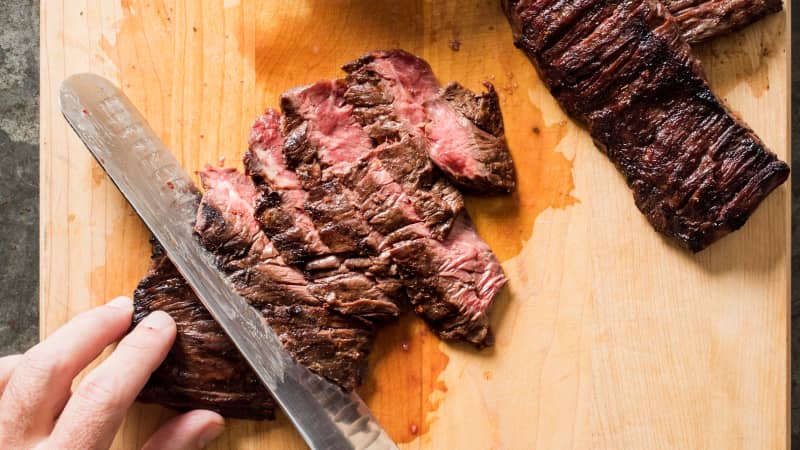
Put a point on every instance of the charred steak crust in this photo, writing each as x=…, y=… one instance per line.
x=289, y=215
x=701, y=20
x=279, y=205
x=394, y=92
x=483, y=110
x=451, y=284
x=623, y=69
x=203, y=369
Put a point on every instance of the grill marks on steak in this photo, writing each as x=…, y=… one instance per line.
x=701, y=20
x=324, y=167
x=623, y=69
x=352, y=285
x=237, y=231
x=395, y=92
x=395, y=192
x=451, y=284
x=321, y=135
x=407, y=164
x=331, y=344
x=280, y=207
x=698, y=20
x=203, y=368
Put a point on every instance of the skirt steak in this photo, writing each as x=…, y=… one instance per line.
x=622, y=68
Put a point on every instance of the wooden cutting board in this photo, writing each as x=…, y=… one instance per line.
x=608, y=336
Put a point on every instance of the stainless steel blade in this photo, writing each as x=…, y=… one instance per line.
x=166, y=199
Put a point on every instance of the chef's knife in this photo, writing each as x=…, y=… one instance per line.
x=164, y=196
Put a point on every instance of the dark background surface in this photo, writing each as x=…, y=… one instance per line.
x=19, y=174
x=19, y=181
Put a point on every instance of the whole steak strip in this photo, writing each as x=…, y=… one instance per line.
x=203, y=360
x=701, y=20
x=623, y=69
x=462, y=131
x=280, y=208
x=451, y=283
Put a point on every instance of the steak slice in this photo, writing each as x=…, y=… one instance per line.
x=279, y=207
x=383, y=186
x=309, y=113
x=462, y=132
x=451, y=284
x=623, y=69
x=236, y=232
x=338, y=265
x=701, y=20
x=203, y=368
x=483, y=110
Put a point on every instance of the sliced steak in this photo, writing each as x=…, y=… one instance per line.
x=351, y=286
x=473, y=158
x=226, y=190
x=701, y=20
x=451, y=284
x=623, y=69
x=436, y=201
x=483, y=110
x=395, y=91
x=313, y=119
x=340, y=220
x=384, y=186
x=203, y=368
x=279, y=207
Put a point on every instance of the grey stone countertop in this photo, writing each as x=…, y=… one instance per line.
x=19, y=181
x=19, y=174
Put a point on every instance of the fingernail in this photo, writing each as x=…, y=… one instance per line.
x=210, y=434
x=158, y=320
x=121, y=303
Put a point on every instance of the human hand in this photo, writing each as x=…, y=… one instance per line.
x=38, y=410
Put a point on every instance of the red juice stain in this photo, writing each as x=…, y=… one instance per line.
x=404, y=371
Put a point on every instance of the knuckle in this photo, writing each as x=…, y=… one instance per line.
x=38, y=362
x=13, y=358
x=17, y=394
x=84, y=317
x=99, y=395
x=93, y=317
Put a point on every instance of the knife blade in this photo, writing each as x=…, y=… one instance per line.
x=166, y=199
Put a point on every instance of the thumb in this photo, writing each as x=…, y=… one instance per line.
x=191, y=431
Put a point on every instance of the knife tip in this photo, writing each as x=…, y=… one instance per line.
x=70, y=88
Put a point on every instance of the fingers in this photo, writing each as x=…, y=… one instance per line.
x=40, y=384
x=7, y=366
x=190, y=431
x=96, y=409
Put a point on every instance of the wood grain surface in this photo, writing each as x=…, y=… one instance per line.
x=608, y=336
